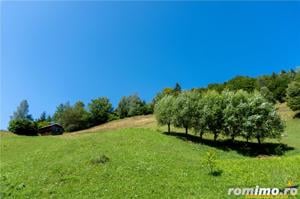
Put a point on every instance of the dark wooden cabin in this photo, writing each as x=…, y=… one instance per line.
x=52, y=129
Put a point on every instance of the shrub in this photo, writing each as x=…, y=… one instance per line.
x=41, y=124
x=101, y=160
x=211, y=163
x=23, y=127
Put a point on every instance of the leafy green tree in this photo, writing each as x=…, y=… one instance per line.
x=199, y=119
x=23, y=127
x=22, y=112
x=148, y=108
x=43, y=120
x=21, y=122
x=297, y=74
x=100, y=110
x=277, y=84
x=167, y=91
x=242, y=83
x=217, y=87
x=131, y=106
x=41, y=124
x=123, y=107
x=184, y=110
x=49, y=119
x=293, y=95
x=43, y=116
x=214, y=105
x=164, y=111
x=266, y=93
x=136, y=106
x=234, y=112
x=177, y=89
x=72, y=118
x=261, y=119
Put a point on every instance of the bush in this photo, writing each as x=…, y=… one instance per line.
x=101, y=160
x=211, y=163
x=293, y=96
x=41, y=124
x=23, y=127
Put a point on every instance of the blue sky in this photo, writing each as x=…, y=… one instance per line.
x=53, y=52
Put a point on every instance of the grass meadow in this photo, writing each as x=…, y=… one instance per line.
x=138, y=162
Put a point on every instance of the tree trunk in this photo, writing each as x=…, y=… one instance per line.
x=201, y=135
x=215, y=136
x=258, y=140
x=232, y=138
x=186, y=130
x=169, y=128
x=247, y=139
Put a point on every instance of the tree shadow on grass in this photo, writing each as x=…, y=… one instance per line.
x=247, y=149
x=297, y=115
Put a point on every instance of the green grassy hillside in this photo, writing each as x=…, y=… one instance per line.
x=133, y=158
x=138, y=163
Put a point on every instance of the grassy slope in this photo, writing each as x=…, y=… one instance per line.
x=143, y=163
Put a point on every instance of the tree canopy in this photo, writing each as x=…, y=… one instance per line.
x=22, y=111
x=100, y=110
x=232, y=114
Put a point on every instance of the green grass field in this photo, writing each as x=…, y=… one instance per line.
x=143, y=163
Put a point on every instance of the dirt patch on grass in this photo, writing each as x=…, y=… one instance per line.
x=145, y=121
x=284, y=111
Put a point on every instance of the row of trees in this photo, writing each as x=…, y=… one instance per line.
x=78, y=116
x=232, y=114
x=276, y=87
x=282, y=87
x=98, y=111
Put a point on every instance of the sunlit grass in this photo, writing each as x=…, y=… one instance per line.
x=136, y=163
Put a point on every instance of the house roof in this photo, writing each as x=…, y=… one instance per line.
x=54, y=124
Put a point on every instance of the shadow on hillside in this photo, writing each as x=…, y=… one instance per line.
x=297, y=115
x=247, y=149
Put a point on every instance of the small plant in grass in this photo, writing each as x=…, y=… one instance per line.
x=211, y=163
x=101, y=160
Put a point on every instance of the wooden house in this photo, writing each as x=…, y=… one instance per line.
x=52, y=129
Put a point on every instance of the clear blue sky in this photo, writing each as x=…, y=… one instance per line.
x=53, y=52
